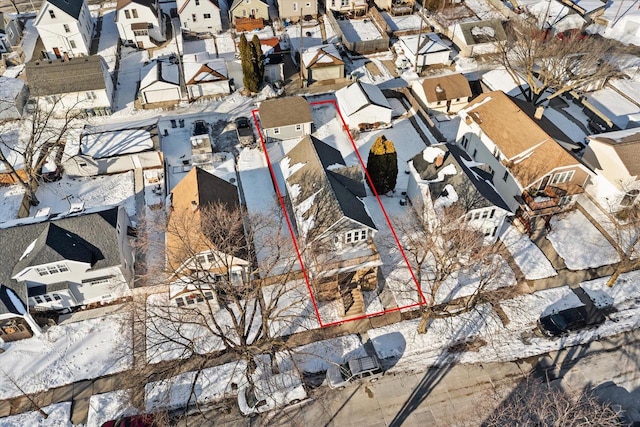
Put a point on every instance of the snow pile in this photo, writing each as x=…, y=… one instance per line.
x=320, y=355
x=488, y=32
x=532, y=262
x=109, y=406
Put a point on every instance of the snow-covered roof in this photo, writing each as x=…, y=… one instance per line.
x=116, y=143
x=585, y=7
x=614, y=106
x=10, y=88
x=629, y=88
x=201, y=68
x=429, y=43
x=480, y=32
x=499, y=79
x=159, y=71
x=324, y=54
x=358, y=95
x=556, y=15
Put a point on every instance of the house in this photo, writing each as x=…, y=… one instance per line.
x=444, y=94
x=13, y=98
x=363, y=106
x=321, y=63
x=426, y=49
x=205, y=76
x=74, y=84
x=189, y=246
x=10, y=32
x=292, y=10
x=160, y=83
x=355, y=7
x=65, y=28
x=613, y=156
x=285, y=118
x=199, y=16
x=68, y=260
x=253, y=9
x=141, y=23
x=478, y=37
x=445, y=175
x=15, y=321
x=333, y=224
x=114, y=148
x=533, y=174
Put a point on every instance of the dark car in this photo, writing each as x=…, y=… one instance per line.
x=570, y=319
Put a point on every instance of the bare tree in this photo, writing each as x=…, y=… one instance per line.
x=442, y=247
x=545, y=67
x=534, y=403
x=43, y=134
x=232, y=295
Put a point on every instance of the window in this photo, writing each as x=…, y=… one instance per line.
x=476, y=215
x=66, y=28
x=52, y=269
x=496, y=153
x=562, y=177
x=493, y=212
x=194, y=18
x=475, y=151
x=134, y=12
x=127, y=14
x=72, y=43
x=355, y=236
x=201, y=259
x=295, y=6
x=141, y=32
x=52, y=14
x=207, y=16
x=465, y=142
x=344, y=3
x=42, y=271
x=490, y=231
x=197, y=2
x=505, y=176
x=298, y=127
x=276, y=131
x=629, y=198
x=565, y=200
x=307, y=4
x=485, y=214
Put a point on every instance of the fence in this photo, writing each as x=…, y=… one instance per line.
x=363, y=46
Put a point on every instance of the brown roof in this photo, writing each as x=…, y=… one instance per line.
x=197, y=190
x=124, y=3
x=52, y=77
x=531, y=153
x=214, y=2
x=627, y=147
x=287, y=111
x=452, y=86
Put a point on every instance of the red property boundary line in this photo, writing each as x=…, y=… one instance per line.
x=295, y=241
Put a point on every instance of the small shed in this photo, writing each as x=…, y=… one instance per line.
x=321, y=63
x=363, y=105
x=13, y=97
x=478, y=37
x=425, y=49
x=160, y=82
x=205, y=76
x=446, y=94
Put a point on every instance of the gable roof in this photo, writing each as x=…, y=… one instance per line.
x=358, y=95
x=146, y=3
x=199, y=68
x=186, y=2
x=278, y=112
x=70, y=7
x=469, y=181
x=321, y=56
x=322, y=188
x=237, y=3
x=159, y=71
x=479, y=32
x=442, y=88
x=531, y=152
x=52, y=77
x=88, y=237
x=429, y=43
x=626, y=144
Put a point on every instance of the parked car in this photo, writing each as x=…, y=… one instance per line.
x=272, y=392
x=570, y=319
x=245, y=131
x=363, y=368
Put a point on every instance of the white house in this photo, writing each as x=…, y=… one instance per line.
x=446, y=94
x=614, y=158
x=141, y=23
x=200, y=16
x=82, y=84
x=160, y=82
x=363, y=105
x=444, y=175
x=425, y=49
x=534, y=175
x=65, y=28
x=70, y=259
x=13, y=98
x=204, y=75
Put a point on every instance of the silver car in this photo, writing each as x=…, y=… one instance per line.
x=363, y=368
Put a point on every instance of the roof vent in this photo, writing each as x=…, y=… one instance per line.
x=43, y=212
x=76, y=207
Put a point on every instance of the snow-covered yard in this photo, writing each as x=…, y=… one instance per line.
x=65, y=354
x=109, y=406
x=402, y=23
x=58, y=415
x=356, y=30
x=108, y=45
x=579, y=242
x=533, y=263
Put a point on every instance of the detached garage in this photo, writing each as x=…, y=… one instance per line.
x=160, y=83
x=364, y=106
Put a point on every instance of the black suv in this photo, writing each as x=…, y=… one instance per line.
x=570, y=319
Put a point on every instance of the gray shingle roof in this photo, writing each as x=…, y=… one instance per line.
x=78, y=237
x=7, y=303
x=70, y=7
x=291, y=110
x=54, y=77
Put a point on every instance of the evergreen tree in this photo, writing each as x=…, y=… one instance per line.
x=382, y=165
x=258, y=57
x=248, y=69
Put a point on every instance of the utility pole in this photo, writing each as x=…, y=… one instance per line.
x=300, y=51
x=417, y=55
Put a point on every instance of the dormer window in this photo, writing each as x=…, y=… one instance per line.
x=52, y=14
x=52, y=269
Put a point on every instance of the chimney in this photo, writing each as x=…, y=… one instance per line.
x=539, y=112
x=439, y=160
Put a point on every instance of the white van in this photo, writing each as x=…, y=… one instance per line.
x=272, y=392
